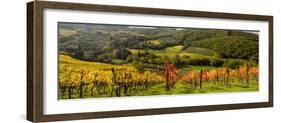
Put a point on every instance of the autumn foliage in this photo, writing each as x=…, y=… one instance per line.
x=126, y=80
x=221, y=76
x=170, y=74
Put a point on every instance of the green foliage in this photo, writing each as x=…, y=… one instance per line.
x=122, y=53
x=231, y=47
x=152, y=46
x=199, y=50
x=216, y=62
x=118, y=61
x=177, y=61
x=199, y=34
x=247, y=35
x=233, y=63
x=138, y=65
x=180, y=35
x=199, y=61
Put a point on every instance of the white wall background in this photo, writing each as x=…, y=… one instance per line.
x=13, y=61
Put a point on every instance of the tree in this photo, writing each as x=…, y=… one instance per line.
x=122, y=53
x=177, y=61
x=170, y=74
x=201, y=81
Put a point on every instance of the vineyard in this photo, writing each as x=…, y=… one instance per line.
x=124, y=80
x=101, y=60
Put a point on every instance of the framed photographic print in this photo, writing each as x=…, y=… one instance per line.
x=96, y=61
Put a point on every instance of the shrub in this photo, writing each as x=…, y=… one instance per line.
x=158, y=61
x=217, y=62
x=199, y=61
x=233, y=63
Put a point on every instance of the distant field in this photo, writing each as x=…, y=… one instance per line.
x=199, y=50
x=192, y=52
x=177, y=48
x=154, y=42
x=65, y=32
x=75, y=63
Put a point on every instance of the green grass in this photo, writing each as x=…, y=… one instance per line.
x=172, y=52
x=154, y=42
x=199, y=50
x=185, y=69
x=177, y=48
x=183, y=88
x=180, y=88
